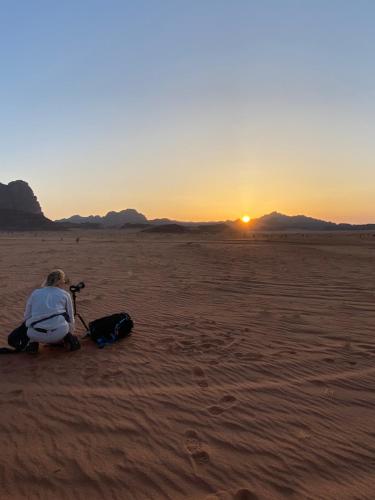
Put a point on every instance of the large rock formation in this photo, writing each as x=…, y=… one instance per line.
x=15, y=220
x=20, y=209
x=18, y=195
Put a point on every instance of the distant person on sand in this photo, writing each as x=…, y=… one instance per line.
x=49, y=314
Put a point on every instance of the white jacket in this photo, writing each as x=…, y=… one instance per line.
x=46, y=301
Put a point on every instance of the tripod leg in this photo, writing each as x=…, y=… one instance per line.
x=83, y=322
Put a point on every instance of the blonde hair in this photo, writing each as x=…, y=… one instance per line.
x=54, y=277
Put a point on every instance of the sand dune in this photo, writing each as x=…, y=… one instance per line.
x=250, y=373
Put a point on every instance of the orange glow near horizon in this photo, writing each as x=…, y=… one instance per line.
x=245, y=219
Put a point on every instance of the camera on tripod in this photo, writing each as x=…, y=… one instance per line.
x=77, y=288
x=74, y=289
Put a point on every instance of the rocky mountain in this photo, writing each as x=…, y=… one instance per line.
x=16, y=220
x=270, y=222
x=18, y=195
x=280, y=222
x=128, y=219
x=111, y=219
x=20, y=209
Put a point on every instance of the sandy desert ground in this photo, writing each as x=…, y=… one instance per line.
x=250, y=373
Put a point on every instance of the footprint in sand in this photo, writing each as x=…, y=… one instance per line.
x=192, y=441
x=194, y=447
x=200, y=376
x=215, y=410
x=206, y=346
x=201, y=457
x=319, y=383
x=245, y=494
x=330, y=393
x=226, y=402
x=198, y=372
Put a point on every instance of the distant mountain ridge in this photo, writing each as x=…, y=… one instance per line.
x=127, y=216
x=280, y=222
x=126, y=219
x=275, y=221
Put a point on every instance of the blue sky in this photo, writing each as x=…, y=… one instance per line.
x=191, y=110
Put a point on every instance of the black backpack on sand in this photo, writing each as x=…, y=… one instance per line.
x=17, y=339
x=104, y=331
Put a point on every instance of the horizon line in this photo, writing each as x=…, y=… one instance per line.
x=215, y=221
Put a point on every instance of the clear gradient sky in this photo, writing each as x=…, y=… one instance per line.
x=194, y=110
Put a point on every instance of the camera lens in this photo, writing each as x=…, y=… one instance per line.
x=78, y=287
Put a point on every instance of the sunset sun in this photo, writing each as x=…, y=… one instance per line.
x=245, y=219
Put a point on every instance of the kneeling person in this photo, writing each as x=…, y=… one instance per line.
x=49, y=314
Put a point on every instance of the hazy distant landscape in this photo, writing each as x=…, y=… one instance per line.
x=20, y=210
